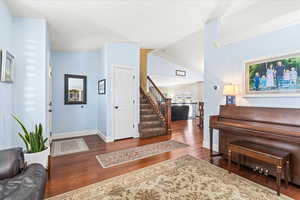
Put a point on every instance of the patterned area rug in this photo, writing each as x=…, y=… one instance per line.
x=185, y=178
x=63, y=147
x=119, y=157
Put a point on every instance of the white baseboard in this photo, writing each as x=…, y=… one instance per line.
x=105, y=138
x=56, y=136
x=206, y=145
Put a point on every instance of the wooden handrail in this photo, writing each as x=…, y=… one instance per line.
x=201, y=114
x=167, y=106
x=156, y=88
x=168, y=115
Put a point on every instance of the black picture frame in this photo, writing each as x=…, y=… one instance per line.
x=180, y=73
x=102, y=90
x=84, y=79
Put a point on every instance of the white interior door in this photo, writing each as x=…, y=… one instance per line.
x=123, y=98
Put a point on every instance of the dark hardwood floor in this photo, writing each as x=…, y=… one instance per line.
x=73, y=171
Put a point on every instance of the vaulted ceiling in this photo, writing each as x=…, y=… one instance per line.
x=168, y=25
x=239, y=20
x=88, y=24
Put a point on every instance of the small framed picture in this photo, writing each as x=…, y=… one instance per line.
x=6, y=66
x=102, y=86
x=180, y=73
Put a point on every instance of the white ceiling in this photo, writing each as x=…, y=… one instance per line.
x=258, y=18
x=187, y=52
x=88, y=24
x=240, y=19
x=171, y=25
x=80, y=25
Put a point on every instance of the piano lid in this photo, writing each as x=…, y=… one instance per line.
x=278, y=129
x=284, y=116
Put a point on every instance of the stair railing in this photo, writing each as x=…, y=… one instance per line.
x=161, y=103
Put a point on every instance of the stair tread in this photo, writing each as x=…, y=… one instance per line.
x=153, y=129
x=149, y=115
x=144, y=111
x=147, y=118
x=149, y=122
x=146, y=107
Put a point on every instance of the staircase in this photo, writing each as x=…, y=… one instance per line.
x=151, y=123
x=155, y=111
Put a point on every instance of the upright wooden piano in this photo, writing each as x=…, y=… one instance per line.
x=275, y=127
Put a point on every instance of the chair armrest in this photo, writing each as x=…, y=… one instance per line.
x=11, y=162
x=30, y=184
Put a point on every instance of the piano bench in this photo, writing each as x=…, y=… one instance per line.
x=277, y=157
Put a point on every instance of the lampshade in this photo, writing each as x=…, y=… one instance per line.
x=229, y=90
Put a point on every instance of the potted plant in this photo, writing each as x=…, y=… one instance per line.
x=36, y=149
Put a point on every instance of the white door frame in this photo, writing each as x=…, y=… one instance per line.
x=49, y=103
x=136, y=99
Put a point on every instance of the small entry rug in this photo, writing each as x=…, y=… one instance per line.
x=63, y=147
x=123, y=156
x=184, y=178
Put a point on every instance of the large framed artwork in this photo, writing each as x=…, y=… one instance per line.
x=277, y=76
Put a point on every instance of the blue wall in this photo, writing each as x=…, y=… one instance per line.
x=96, y=115
x=29, y=88
x=28, y=40
x=126, y=54
x=6, y=25
x=226, y=65
x=159, y=66
x=6, y=137
x=96, y=65
x=73, y=118
x=26, y=97
x=102, y=99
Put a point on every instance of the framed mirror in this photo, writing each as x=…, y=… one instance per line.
x=75, y=89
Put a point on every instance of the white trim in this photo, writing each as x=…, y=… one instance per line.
x=205, y=144
x=105, y=138
x=56, y=136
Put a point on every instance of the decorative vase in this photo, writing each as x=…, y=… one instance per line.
x=39, y=157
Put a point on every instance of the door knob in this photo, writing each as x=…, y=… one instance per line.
x=50, y=110
x=116, y=107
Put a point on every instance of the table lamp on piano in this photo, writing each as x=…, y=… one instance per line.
x=230, y=92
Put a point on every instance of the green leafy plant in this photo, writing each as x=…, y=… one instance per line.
x=34, y=141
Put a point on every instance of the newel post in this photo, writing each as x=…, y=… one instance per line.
x=168, y=115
